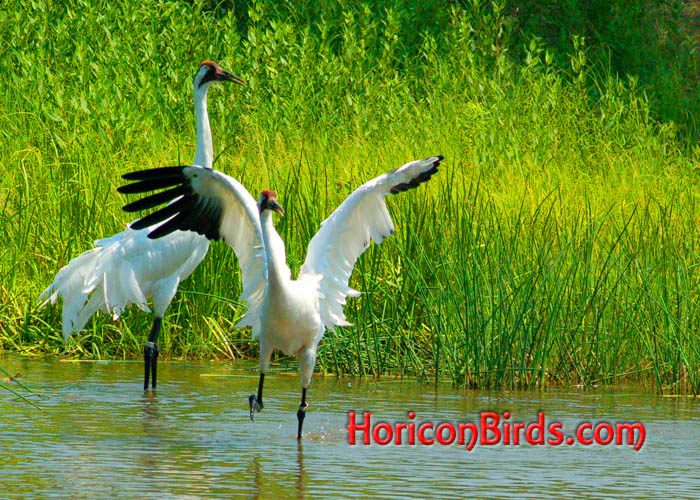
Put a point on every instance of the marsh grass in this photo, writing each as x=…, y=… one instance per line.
x=557, y=245
x=24, y=397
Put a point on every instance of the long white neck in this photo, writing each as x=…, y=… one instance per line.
x=204, y=155
x=277, y=270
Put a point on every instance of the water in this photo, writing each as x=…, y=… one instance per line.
x=100, y=436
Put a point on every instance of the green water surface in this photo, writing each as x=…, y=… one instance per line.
x=99, y=435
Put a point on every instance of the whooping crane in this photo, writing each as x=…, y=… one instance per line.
x=285, y=314
x=128, y=267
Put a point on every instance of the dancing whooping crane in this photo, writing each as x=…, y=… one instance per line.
x=128, y=267
x=285, y=314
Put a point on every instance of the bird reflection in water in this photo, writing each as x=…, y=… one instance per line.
x=262, y=487
x=150, y=416
x=150, y=409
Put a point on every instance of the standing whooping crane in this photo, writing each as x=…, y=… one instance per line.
x=285, y=314
x=128, y=267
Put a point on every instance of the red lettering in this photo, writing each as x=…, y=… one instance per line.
x=608, y=433
x=630, y=428
x=421, y=433
x=439, y=435
x=474, y=434
x=579, y=434
x=602, y=433
x=555, y=431
x=411, y=428
x=399, y=427
x=539, y=427
x=485, y=427
x=506, y=428
x=388, y=436
x=517, y=427
x=353, y=427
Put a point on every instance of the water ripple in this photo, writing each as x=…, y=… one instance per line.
x=100, y=436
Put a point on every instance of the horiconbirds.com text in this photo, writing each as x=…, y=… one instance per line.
x=492, y=429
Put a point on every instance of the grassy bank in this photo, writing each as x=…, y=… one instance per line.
x=558, y=245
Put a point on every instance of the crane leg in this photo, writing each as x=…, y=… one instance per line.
x=256, y=403
x=150, y=354
x=301, y=413
x=307, y=361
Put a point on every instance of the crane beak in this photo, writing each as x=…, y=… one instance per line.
x=225, y=76
x=276, y=207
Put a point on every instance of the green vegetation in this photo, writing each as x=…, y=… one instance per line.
x=557, y=245
x=20, y=397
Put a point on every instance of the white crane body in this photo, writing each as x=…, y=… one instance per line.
x=285, y=314
x=129, y=268
x=124, y=269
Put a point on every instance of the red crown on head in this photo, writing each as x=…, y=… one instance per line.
x=209, y=63
x=269, y=194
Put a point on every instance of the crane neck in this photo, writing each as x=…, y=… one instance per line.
x=204, y=155
x=277, y=270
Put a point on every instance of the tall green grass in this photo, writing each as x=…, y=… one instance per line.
x=557, y=245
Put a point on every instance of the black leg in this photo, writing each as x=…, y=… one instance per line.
x=256, y=404
x=150, y=354
x=301, y=413
x=154, y=365
x=147, y=366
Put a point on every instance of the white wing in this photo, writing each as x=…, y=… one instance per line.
x=209, y=203
x=345, y=235
x=121, y=270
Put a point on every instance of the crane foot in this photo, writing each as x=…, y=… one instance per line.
x=255, y=405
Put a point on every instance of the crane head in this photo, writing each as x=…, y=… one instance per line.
x=268, y=201
x=209, y=72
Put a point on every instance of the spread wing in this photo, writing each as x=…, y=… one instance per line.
x=346, y=234
x=212, y=204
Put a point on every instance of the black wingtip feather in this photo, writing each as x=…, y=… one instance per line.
x=153, y=173
x=191, y=212
x=164, y=213
x=150, y=185
x=155, y=199
x=419, y=179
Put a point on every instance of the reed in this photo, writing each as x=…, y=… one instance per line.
x=558, y=245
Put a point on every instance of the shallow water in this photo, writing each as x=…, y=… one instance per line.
x=100, y=435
